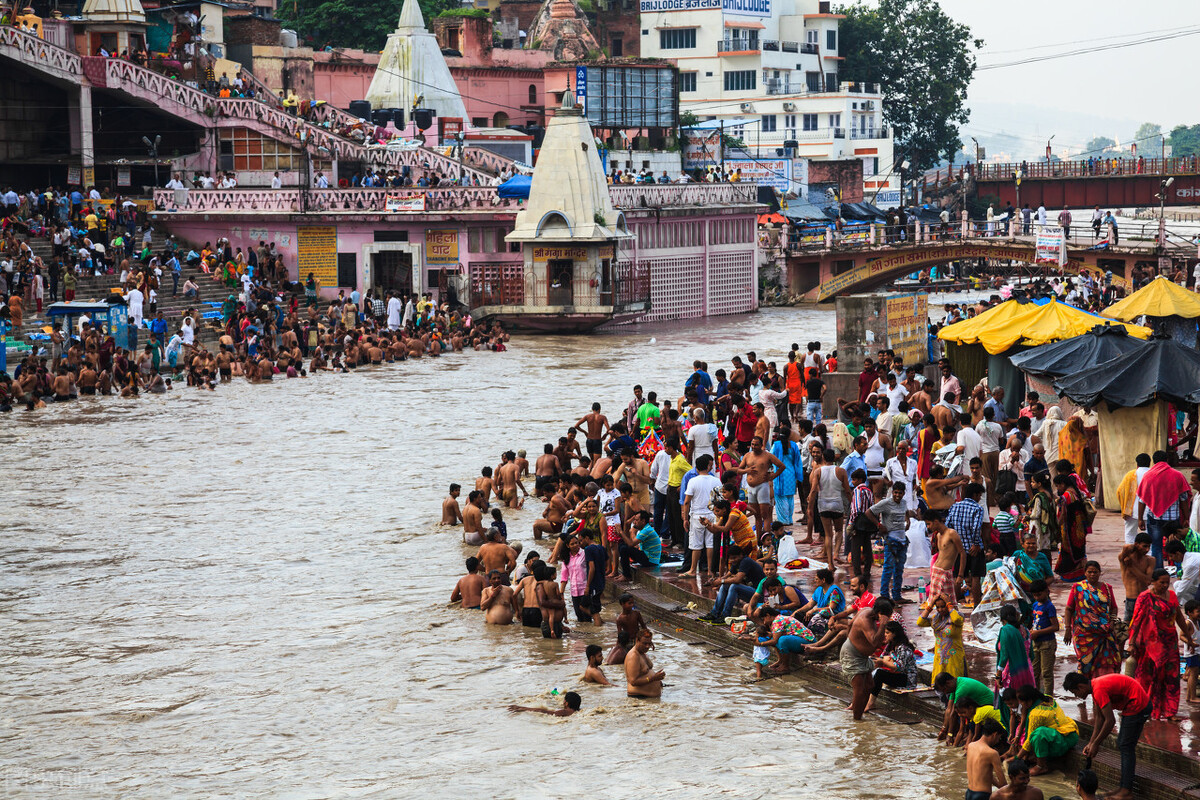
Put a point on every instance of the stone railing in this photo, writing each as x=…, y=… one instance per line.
x=294, y=201
x=33, y=51
x=648, y=195
x=487, y=160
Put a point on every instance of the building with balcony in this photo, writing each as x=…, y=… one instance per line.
x=767, y=72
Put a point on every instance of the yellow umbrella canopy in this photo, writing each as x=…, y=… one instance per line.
x=1028, y=324
x=1159, y=298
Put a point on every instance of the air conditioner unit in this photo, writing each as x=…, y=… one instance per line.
x=868, y=105
x=789, y=106
x=746, y=107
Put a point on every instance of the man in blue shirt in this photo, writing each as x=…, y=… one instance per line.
x=176, y=269
x=644, y=548
x=855, y=459
x=996, y=403
x=158, y=329
x=700, y=381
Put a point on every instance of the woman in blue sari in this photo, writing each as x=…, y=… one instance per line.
x=1032, y=564
x=792, y=473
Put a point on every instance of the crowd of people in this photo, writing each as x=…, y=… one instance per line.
x=714, y=482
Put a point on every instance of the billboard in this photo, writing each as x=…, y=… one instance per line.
x=1051, y=247
x=441, y=248
x=628, y=97
x=773, y=172
x=316, y=252
x=701, y=148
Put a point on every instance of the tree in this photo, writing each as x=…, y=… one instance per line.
x=1145, y=132
x=360, y=24
x=1184, y=140
x=1098, y=144
x=924, y=61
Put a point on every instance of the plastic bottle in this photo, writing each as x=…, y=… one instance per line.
x=555, y=692
x=921, y=590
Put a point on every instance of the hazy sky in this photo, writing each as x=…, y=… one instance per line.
x=1102, y=93
x=1144, y=82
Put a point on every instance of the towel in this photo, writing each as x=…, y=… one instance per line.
x=1161, y=487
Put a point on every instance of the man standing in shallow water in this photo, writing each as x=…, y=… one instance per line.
x=866, y=636
x=640, y=677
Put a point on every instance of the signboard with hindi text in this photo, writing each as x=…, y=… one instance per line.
x=773, y=172
x=441, y=248
x=559, y=253
x=404, y=202
x=907, y=326
x=316, y=252
x=746, y=8
x=1051, y=247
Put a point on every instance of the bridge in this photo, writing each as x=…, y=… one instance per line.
x=1084, y=183
x=823, y=270
x=322, y=132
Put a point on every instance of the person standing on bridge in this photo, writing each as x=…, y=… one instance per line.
x=1064, y=221
x=1041, y=214
x=1097, y=221
x=1026, y=220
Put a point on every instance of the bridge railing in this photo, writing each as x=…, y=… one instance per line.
x=1095, y=168
x=359, y=200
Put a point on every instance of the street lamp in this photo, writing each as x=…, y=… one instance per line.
x=1162, y=211
x=152, y=150
x=1048, y=141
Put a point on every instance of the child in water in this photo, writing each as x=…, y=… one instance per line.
x=762, y=653
x=628, y=624
x=593, y=673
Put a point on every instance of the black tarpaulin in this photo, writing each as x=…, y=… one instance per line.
x=1161, y=369
x=1102, y=343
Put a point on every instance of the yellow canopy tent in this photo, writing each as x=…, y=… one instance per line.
x=1159, y=298
x=1014, y=323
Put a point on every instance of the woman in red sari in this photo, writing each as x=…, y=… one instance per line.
x=1155, y=645
x=927, y=440
x=1072, y=524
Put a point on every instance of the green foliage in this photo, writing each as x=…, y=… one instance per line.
x=687, y=119
x=477, y=13
x=599, y=219
x=1099, y=144
x=360, y=24
x=1145, y=132
x=1184, y=140
x=586, y=6
x=924, y=62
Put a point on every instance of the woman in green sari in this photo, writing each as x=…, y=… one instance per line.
x=1013, y=669
x=1032, y=564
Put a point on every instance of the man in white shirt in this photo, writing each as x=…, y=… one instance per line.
x=700, y=437
x=175, y=183
x=895, y=391
x=322, y=181
x=697, y=502
x=276, y=182
x=970, y=443
x=660, y=473
x=408, y=313
x=991, y=439
x=1189, y=570
x=134, y=299
x=394, y=310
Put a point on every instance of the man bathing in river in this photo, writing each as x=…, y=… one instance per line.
x=497, y=600
x=640, y=676
x=865, y=637
x=472, y=518
x=496, y=556
x=571, y=703
x=545, y=472
x=551, y=602
x=593, y=427
x=469, y=589
x=984, y=768
x=451, y=513
x=508, y=481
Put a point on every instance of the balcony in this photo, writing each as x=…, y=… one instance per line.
x=864, y=88
x=738, y=46
x=770, y=44
x=869, y=133
x=810, y=49
x=790, y=47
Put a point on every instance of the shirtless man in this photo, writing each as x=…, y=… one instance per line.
x=951, y=561
x=762, y=428
x=62, y=385
x=593, y=427
x=485, y=485
x=451, y=513
x=546, y=471
x=550, y=600
x=87, y=379
x=760, y=469
x=469, y=588
x=1137, y=566
x=522, y=465
x=943, y=414
x=497, y=600
x=939, y=490
x=984, y=769
x=640, y=677
x=636, y=472
x=552, y=518
x=571, y=703
x=864, y=638
x=497, y=556
x=472, y=518
x=508, y=481
x=1018, y=787
x=525, y=596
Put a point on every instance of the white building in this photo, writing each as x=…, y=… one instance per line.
x=769, y=68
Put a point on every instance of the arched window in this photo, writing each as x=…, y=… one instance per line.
x=500, y=120
x=532, y=95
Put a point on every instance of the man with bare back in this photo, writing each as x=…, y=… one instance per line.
x=508, y=481
x=546, y=471
x=495, y=555
x=473, y=518
x=951, y=560
x=593, y=426
x=865, y=637
x=451, y=514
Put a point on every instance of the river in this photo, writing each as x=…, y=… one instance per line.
x=244, y=594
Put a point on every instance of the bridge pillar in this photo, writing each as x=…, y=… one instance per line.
x=79, y=121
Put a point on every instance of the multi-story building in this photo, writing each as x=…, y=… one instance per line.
x=769, y=70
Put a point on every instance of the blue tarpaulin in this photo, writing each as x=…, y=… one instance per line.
x=516, y=186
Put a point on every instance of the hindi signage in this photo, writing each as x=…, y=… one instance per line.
x=441, y=248
x=747, y=8
x=404, y=202
x=316, y=252
x=1051, y=247
x=907, y=326
x=557, y=253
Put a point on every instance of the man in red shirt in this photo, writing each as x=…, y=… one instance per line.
x=1114, y=693
x=866, y=379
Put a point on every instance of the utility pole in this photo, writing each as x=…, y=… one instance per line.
x=721, y=147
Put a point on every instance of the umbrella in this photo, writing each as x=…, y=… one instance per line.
x=1159, y=298
x=1161, y=369
x=771, y=219
x=1101, y=343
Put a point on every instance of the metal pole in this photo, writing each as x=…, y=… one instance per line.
x=721, y=147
